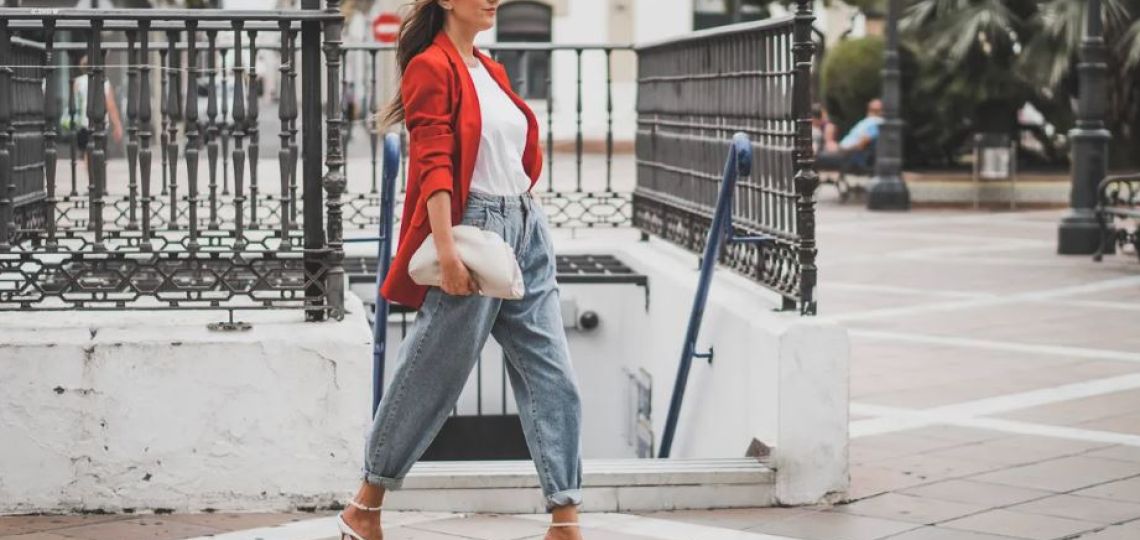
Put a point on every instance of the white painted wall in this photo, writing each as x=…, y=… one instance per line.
x=775, y=376
x=151, y=410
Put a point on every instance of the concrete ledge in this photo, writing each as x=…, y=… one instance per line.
x=959, y=190
x=607, y=485
x=151, y=410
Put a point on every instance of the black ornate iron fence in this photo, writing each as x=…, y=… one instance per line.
x=22, y=141
x=174, y=248
x=584, y=195
x=693, y=94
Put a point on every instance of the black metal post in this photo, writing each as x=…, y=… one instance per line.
x=806, y=180
x=132, y=128
x=51, y=120
x=311, y=148
x=7, y=175
x=1078, y=233
x=334, y=181
x=889, y=191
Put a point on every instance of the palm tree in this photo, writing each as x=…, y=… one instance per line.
x=1008, y=52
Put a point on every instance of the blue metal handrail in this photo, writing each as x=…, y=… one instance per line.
x=739, y=163
x=383, y=262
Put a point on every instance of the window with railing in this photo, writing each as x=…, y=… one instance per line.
x=525, y=22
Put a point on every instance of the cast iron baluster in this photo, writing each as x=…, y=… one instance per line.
x=806, y=180
x=346, y=125
x=72, y=116
x=51, y=118
x=212, y=129
x=164, y=113
x=8, y=180
x=86, y=151
x=132, y=130
x=294, y=152
x=252, y=128
x=227, y=127
x=192, y=136
x=96, y=118
x=145, y=130
x=286, y=111
x=239, y=150
x=374, y=128
x=174, y=112
x=314, y=228
x=609, y=120
x=578, y=113
x=334, y=181
x=106, y=126
x=766, y=139
x=549, y=120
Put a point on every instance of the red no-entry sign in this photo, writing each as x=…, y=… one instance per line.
x=386, y=27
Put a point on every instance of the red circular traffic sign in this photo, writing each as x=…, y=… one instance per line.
x=386, y=27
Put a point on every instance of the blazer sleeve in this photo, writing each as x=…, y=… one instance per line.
x=425, y=91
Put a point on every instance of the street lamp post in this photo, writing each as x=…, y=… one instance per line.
x=888, y=190
x=1078, y=233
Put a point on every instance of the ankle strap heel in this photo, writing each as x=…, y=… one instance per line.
x=362, y=507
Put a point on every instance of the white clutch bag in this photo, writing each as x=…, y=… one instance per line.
x=488, y=257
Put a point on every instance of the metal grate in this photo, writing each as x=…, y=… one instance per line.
x=577, y=268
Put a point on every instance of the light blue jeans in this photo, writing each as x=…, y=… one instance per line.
x=447, y=337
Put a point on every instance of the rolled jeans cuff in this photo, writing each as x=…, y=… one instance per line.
x=563, y=498
x=387, y=482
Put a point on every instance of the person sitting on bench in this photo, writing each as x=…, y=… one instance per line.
x=822, y=130
x=855, y=147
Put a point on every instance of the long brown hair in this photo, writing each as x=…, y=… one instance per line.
x=416, y=32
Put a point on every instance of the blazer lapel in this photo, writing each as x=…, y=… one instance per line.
x=470, y=118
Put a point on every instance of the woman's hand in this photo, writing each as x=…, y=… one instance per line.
x=455, y=278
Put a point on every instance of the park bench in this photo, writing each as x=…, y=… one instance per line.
x=837, y=176
x=1118, y=200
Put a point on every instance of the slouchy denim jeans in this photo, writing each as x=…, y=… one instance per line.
x=447, y=337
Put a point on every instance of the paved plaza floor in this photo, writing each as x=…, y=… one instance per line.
x=995, y=395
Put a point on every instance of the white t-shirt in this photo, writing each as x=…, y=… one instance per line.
x=81, y=100
x=498, y=164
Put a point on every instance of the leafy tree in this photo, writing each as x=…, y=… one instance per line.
x=1003, y=53
x=852, y=76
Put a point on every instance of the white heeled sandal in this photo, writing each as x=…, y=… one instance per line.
x=345, y=530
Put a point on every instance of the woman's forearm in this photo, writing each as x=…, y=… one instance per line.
x=439, y=215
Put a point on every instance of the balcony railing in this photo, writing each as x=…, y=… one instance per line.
x=193, y=215
x=189, y=243
x=582, y=196
x=693, y=94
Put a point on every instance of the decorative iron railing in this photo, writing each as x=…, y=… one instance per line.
x=587, y=195
x=694, y=92
x=175, y=247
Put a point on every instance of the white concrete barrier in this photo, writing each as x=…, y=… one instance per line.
x=775, y=376
x=151, y=410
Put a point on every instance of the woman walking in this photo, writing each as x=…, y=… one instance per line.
x=474, y=158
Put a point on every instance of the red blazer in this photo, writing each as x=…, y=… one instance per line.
x=441, y=111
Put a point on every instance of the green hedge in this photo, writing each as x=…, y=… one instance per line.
x=850, y=78
x=933, y=112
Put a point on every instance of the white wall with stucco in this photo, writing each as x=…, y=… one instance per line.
x=150, y=410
